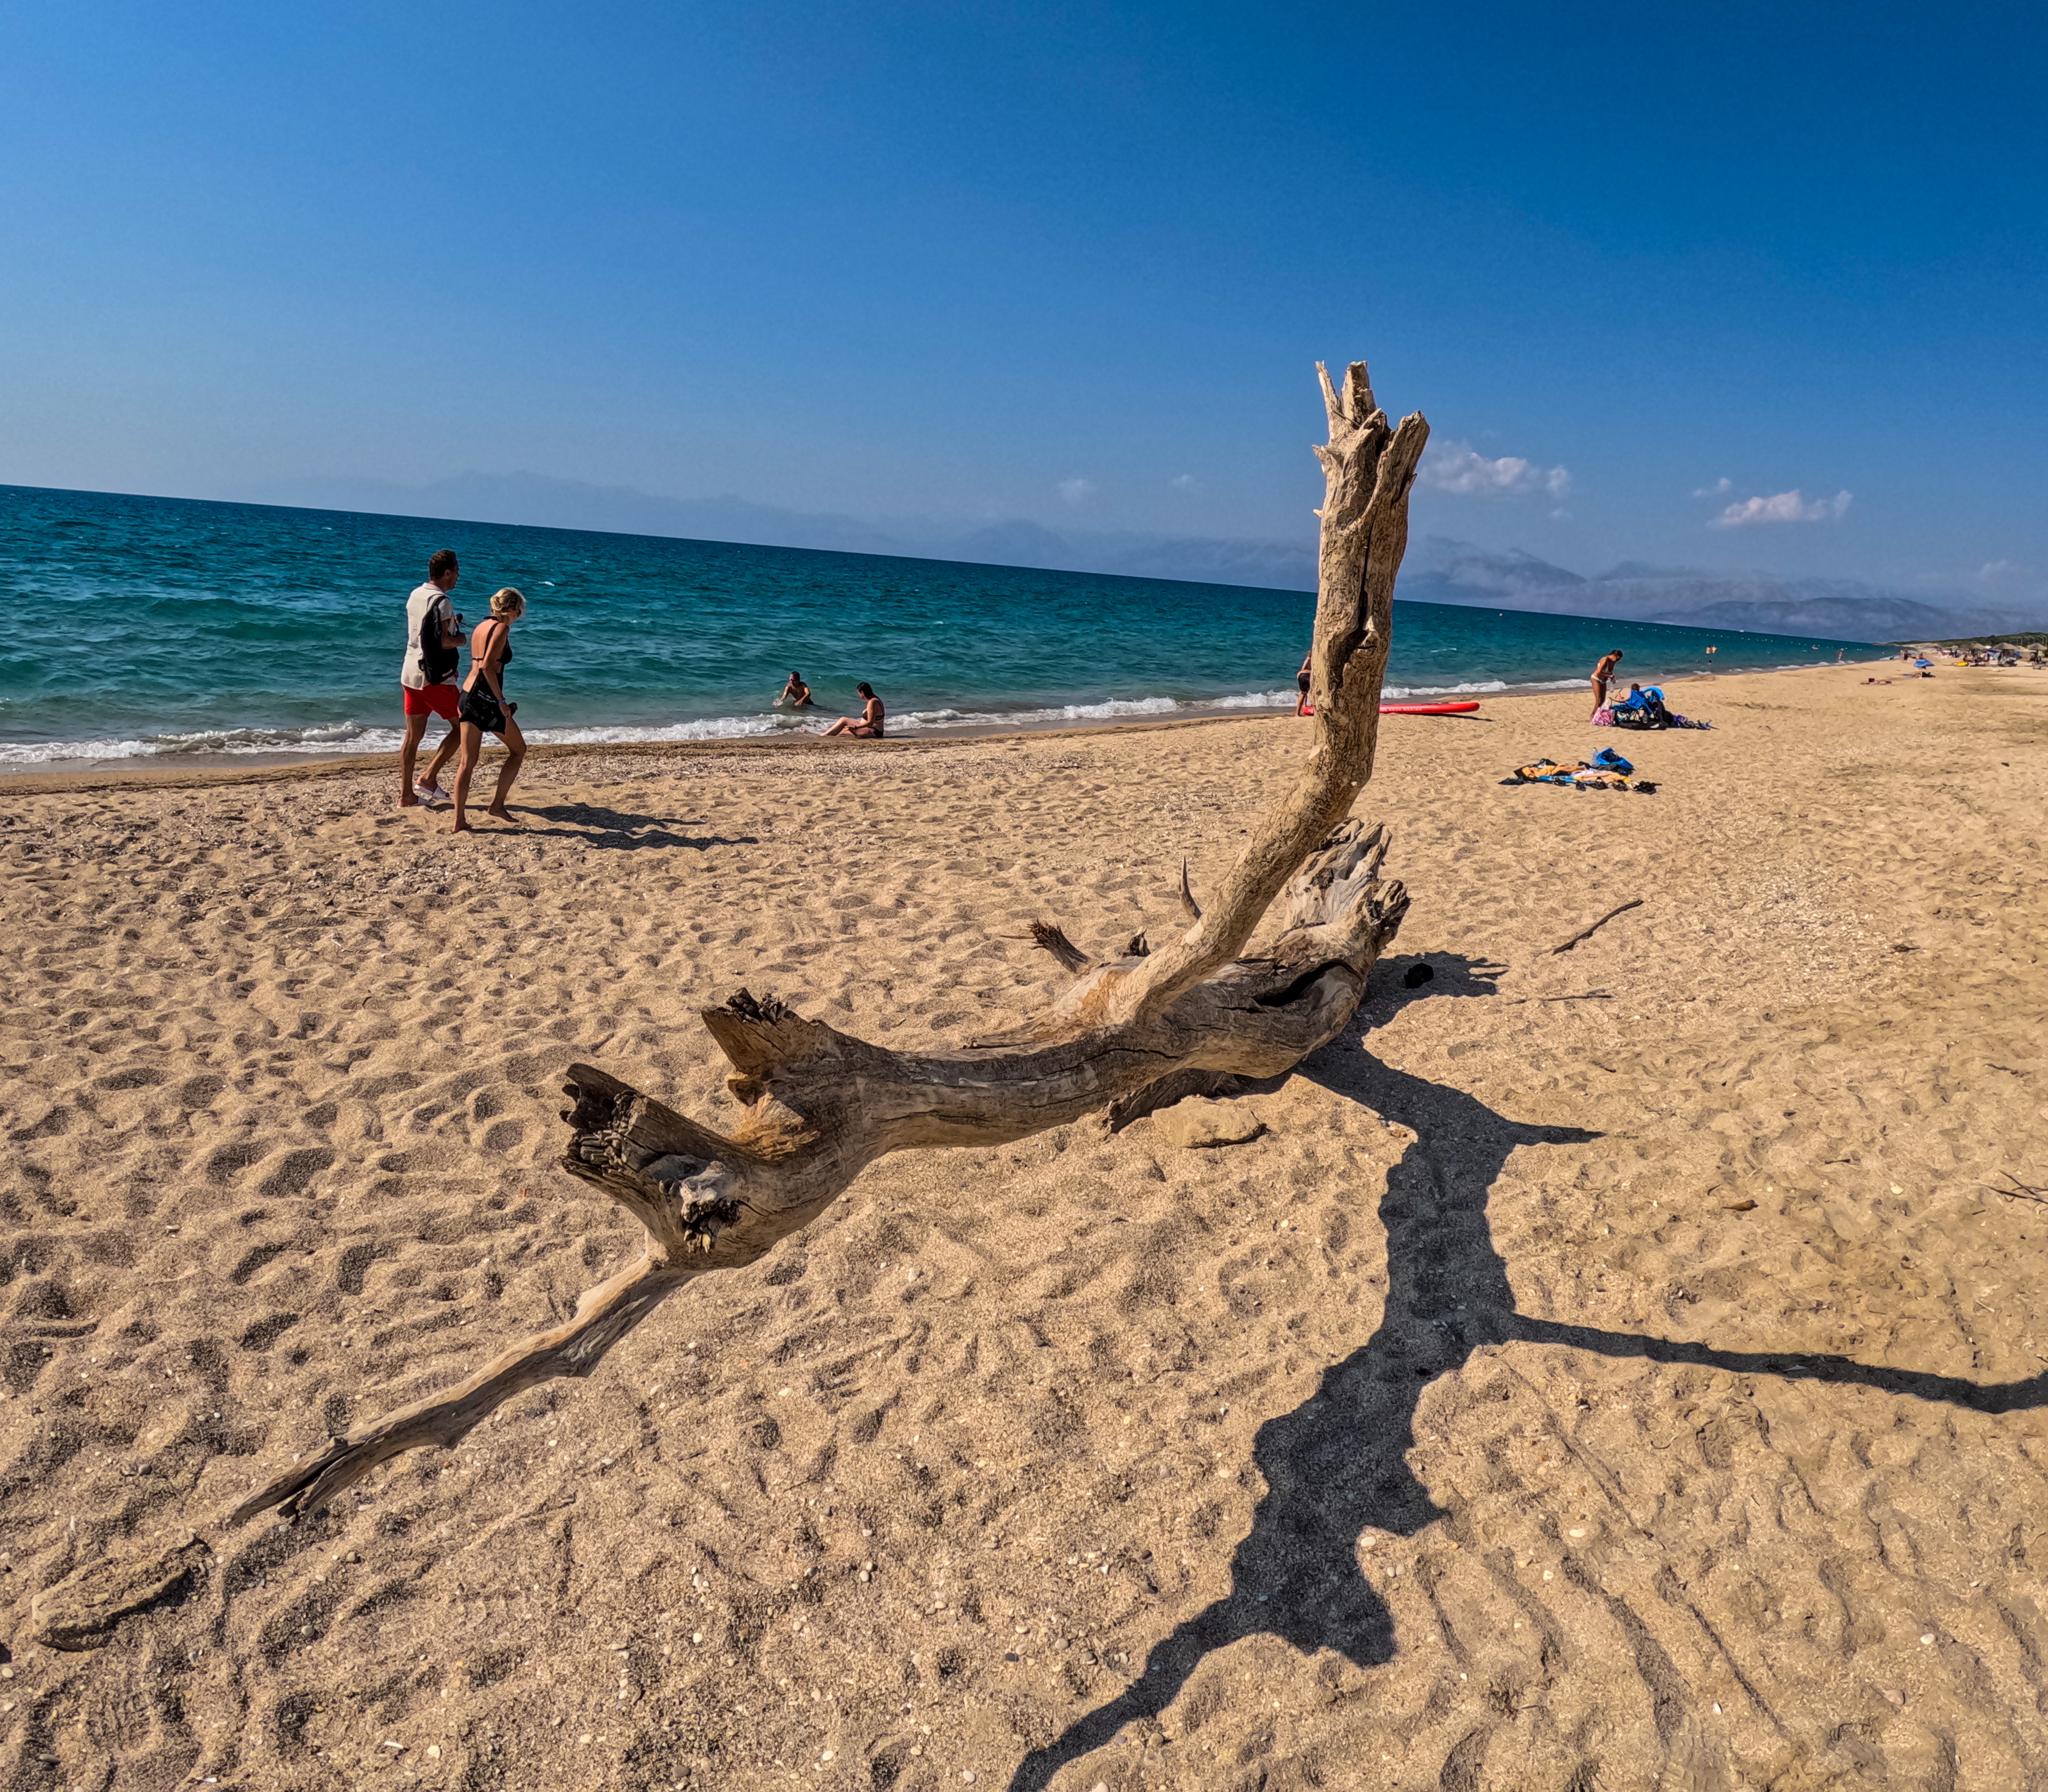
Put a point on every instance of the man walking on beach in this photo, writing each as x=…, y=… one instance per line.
x=433, y=635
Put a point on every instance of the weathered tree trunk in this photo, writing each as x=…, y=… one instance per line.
x=1130, y=1035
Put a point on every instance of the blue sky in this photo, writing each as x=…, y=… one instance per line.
x=1067, y=262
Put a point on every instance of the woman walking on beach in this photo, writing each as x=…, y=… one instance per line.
x=1602, y=673
x=869, y=727
x=483, y=708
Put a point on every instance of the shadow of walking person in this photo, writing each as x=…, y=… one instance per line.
x=1337, y=1465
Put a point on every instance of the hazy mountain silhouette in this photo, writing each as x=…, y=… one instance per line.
x=1439, y=570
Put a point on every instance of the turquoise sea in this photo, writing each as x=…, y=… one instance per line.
x=142, y=627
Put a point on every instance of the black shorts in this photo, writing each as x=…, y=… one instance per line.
x=1302, y=679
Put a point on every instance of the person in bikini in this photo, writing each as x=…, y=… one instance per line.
x=796, y=693
x=434, y=650
x=869, y=727
x=1602, y=674
x=484, y=709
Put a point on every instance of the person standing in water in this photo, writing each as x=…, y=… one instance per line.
x=485, y=709
x=796, y=693
x=869, y=727
x=434, y=650
x=1602, y=674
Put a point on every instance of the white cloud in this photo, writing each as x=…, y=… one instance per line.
x=1720, y=488
x=1460, y=469
x=1184, y=482
x=1786, y=506
x=1076, y=490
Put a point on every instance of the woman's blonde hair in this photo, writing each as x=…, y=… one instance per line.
x=507, y=603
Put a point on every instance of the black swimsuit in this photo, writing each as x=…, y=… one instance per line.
x=478, y=706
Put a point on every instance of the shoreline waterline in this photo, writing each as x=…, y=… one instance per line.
x=353, y=738
x=200, y=770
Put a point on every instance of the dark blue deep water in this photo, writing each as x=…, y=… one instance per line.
x=150, y=626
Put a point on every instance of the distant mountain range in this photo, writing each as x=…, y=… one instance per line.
x=1438, y=570
x=526, y=497
x=1445, y=571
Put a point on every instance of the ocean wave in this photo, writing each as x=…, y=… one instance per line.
x=347, y=737
x=715, y=727
x=357, y=737
x=911, y=719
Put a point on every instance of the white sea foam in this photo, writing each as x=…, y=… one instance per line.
x=330, y=738
x=345, y=737
x=43, y=753
x=1255, y=700
x=715, y=727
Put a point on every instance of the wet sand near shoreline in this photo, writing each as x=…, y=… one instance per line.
x=1617, y=1367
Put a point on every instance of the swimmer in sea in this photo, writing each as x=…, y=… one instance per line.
x=869, y=727
x=796, y=693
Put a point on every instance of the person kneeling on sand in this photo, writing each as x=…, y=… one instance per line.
x=484, y=708
x=869, y=727
x=434, y=650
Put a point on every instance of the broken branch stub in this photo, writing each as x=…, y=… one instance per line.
x=1129, y=1034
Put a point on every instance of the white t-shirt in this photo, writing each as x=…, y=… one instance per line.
x=414, y=675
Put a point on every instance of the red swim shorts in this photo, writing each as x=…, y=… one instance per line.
x=435, y=700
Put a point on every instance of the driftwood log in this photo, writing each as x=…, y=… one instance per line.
x=1129, y=1035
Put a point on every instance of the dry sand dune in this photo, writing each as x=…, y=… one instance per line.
x=1607, y=1369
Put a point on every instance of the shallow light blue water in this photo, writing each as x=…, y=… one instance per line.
x=141, y=626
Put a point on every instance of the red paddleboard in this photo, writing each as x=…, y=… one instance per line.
x=1427, y=709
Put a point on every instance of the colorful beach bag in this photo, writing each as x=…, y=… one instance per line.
x=1642, y=709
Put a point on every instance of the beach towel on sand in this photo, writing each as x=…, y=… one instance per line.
x=1580, y=775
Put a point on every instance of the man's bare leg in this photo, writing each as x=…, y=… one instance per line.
x=438, y=763
x=408, y=753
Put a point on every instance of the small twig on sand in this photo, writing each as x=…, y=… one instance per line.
x=1596, y=926
x=2019, y=1190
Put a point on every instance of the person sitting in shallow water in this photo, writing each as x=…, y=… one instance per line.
x=869, y=727
x=796, y=693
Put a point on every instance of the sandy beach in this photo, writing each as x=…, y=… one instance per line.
x=1611, y=1368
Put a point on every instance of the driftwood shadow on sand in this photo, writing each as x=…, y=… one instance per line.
x=1337, y=1465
